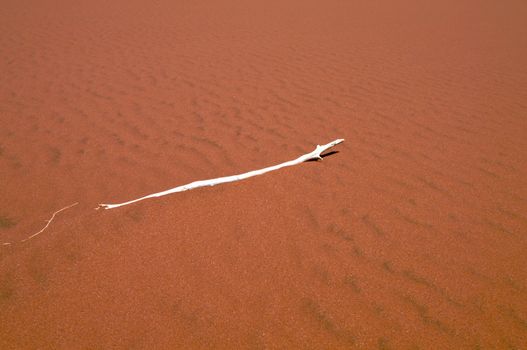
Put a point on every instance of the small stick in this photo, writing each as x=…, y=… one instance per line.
x=49, y=222
x=220, y=180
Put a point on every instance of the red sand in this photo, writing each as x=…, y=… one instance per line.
x=413, y=235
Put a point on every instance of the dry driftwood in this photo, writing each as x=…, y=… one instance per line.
x=316, y=154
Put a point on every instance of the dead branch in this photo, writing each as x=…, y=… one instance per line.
x=316, y=154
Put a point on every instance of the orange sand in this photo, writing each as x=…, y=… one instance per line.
x=413, y=235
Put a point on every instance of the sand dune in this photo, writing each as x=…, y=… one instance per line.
x=411, y=236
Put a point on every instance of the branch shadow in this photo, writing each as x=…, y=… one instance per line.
x=323, y=156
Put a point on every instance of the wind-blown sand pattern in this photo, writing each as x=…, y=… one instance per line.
x=413, y=235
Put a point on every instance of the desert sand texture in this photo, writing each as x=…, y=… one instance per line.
x=412, y=236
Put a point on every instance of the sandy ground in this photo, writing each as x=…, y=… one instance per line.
x=413, y=235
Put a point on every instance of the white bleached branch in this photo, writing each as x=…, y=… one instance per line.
x=49, y=222
x=316, y=154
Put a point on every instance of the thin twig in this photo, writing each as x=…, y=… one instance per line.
x=220, y=180
x=49, y=222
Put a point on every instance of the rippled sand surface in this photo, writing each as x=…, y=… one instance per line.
x=413, y=235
